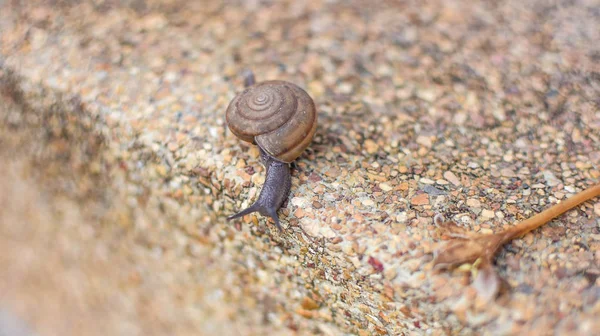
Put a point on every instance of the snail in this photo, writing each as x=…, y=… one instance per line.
x=281, y=119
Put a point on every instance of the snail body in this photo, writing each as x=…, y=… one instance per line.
x=281, y=119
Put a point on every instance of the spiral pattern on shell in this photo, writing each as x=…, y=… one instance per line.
x=278, y=116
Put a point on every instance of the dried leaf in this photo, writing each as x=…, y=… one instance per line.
x=459, y=251
x=450, y=228
x=480, y=249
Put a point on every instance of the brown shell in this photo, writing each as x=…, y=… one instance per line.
x=278, y=116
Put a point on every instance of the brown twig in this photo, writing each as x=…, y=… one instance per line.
x=483, y=247
x=551, y=213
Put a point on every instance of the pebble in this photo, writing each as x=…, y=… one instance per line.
x=422, y=199
x=368, y=202
x=448, y=175
x=401, y=217
x=299, y=202
x=309, y=304
x=507, y=172
x=385, y=187
x=426, y=181
x=161, y=170
x=424, y=141
x=550, y=178
x=474, y=203
x=371, y=146
x=487, y=214
x=433, y=191
x=427, y=95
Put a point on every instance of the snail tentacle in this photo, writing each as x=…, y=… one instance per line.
x=249, y=79
x=253, y=208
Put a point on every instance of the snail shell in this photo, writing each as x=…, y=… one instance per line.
x=278, y=116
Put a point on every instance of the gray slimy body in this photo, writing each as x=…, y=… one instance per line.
x=274, y=192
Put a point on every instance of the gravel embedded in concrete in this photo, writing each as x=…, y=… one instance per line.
x=121, y=170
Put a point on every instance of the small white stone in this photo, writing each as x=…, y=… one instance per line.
x=448, y=175
x=550, y=178
x=368, y=202
x=507, y=172
x=385, y=187
x=424, y=141
x=327, y=232
x=426, y=181
x=300, y=202
x=427, y=95
x=487, y=214
x=474, y=203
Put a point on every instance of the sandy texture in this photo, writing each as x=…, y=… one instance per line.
x=117, y=170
